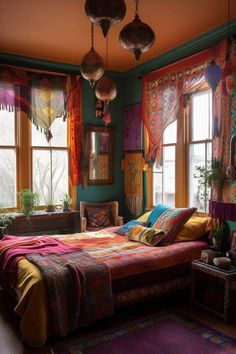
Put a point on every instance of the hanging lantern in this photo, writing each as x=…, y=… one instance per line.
x=105, y=13
x=137, y=36
x=106, y=89
x=92, y=65
x=213, y=75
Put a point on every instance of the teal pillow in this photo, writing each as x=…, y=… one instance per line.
x=156, y=213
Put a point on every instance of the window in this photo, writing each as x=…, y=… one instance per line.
x=27, y=160
x=164, y=175
x=174, y=182
x=200, y=146
x=8, y=157
x=50, y=163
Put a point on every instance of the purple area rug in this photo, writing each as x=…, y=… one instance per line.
x=171, y=333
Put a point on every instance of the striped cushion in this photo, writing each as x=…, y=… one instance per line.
x=98, y=216
x=171, y=221
x=146, y=235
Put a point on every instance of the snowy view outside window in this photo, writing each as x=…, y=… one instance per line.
x=50, y=163
x=7, y=160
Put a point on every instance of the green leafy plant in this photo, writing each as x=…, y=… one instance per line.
x=67, y=201
x=28, y=201
x=5, y=220
x=212, y=175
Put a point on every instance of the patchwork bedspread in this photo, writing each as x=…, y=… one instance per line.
x=126, y=260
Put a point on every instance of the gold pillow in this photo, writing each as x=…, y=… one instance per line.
x=146, y=235
x=144, y=217
x=193, y=229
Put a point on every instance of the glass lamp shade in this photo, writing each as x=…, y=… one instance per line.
x=213, y=75
x=137, y=37
x=92, y=67
x=105, y=12
x=106, y=89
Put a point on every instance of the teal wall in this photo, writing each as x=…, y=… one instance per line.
x=115, y=191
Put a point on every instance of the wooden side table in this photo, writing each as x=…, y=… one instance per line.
x=228, y=279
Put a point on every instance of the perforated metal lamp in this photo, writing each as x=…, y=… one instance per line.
x=213, y=75
x=92, y=65
x=137, y=36
x=105, y=13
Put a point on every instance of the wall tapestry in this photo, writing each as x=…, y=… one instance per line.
x=133, y=128
x=133, y=165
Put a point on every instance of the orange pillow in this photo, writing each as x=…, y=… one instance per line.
x=193, y=229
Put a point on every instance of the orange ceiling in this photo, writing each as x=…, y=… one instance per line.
x=59, y=29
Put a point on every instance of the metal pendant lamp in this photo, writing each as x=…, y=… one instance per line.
x=106, y=91
x=92, y=65
x=105, y=13
x=137, y=36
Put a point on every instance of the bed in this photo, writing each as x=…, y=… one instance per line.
x=136, y=272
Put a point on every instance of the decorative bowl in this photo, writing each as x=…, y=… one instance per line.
x=222, y=262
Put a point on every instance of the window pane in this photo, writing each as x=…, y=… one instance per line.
x=198, y=156
x=59, y=133
x=157, y=188
x=8, y=178
x=50, y=175
x=201, y=116
x=169, y=175
x=59, y=175
x=170, y=133
x=42, y=175
x=7, y=128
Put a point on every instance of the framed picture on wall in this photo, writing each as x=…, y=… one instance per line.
x=133, y=128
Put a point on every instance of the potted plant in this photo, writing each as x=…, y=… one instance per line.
x=66, y=203
x=50, y=207
x=210, y=176
x=28, y=201
x=217, y=233
x=5, y=220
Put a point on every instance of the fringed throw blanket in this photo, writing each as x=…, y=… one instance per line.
x=78, y=287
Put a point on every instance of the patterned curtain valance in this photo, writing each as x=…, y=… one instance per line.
x=164, y=94
x=44, y=97
x=41, y=96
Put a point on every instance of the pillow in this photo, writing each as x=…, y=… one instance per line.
x=195, y=228
x=145, y=216
x=148, y=236
x=124, y=229
x=156, y=213
x=98, y=216
x=171, y=221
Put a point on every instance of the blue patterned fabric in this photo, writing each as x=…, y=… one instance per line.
x=124, y=229
x=156, y=213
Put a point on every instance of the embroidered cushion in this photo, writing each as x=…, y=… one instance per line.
x=195, y=228
x=144, y=217
x=148, y=236
x=124, y=229
x=98, y=216
x=171, y=221
x=156, y=213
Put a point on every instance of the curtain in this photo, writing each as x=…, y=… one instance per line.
x=45, y=97
x=165, y=94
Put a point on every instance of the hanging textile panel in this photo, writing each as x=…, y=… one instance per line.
x=164, y=94
x=133, y=165
x=133, y=128
x=47, y=100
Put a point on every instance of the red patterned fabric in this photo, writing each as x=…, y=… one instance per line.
x=98, y=216
x=74, y=107
x=165, y=93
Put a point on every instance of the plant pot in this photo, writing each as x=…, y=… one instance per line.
x=50, y=208
x=217, y=242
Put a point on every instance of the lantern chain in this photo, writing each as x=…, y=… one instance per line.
x=92, y=34
x=136, y=7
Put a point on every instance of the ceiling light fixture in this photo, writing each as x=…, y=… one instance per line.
x=106, y=91
x=92, y=65
x=105, y=13
x=137, y=36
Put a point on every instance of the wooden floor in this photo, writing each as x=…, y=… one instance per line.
x=10, y=338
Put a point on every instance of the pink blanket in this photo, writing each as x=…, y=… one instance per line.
x=15, y=248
